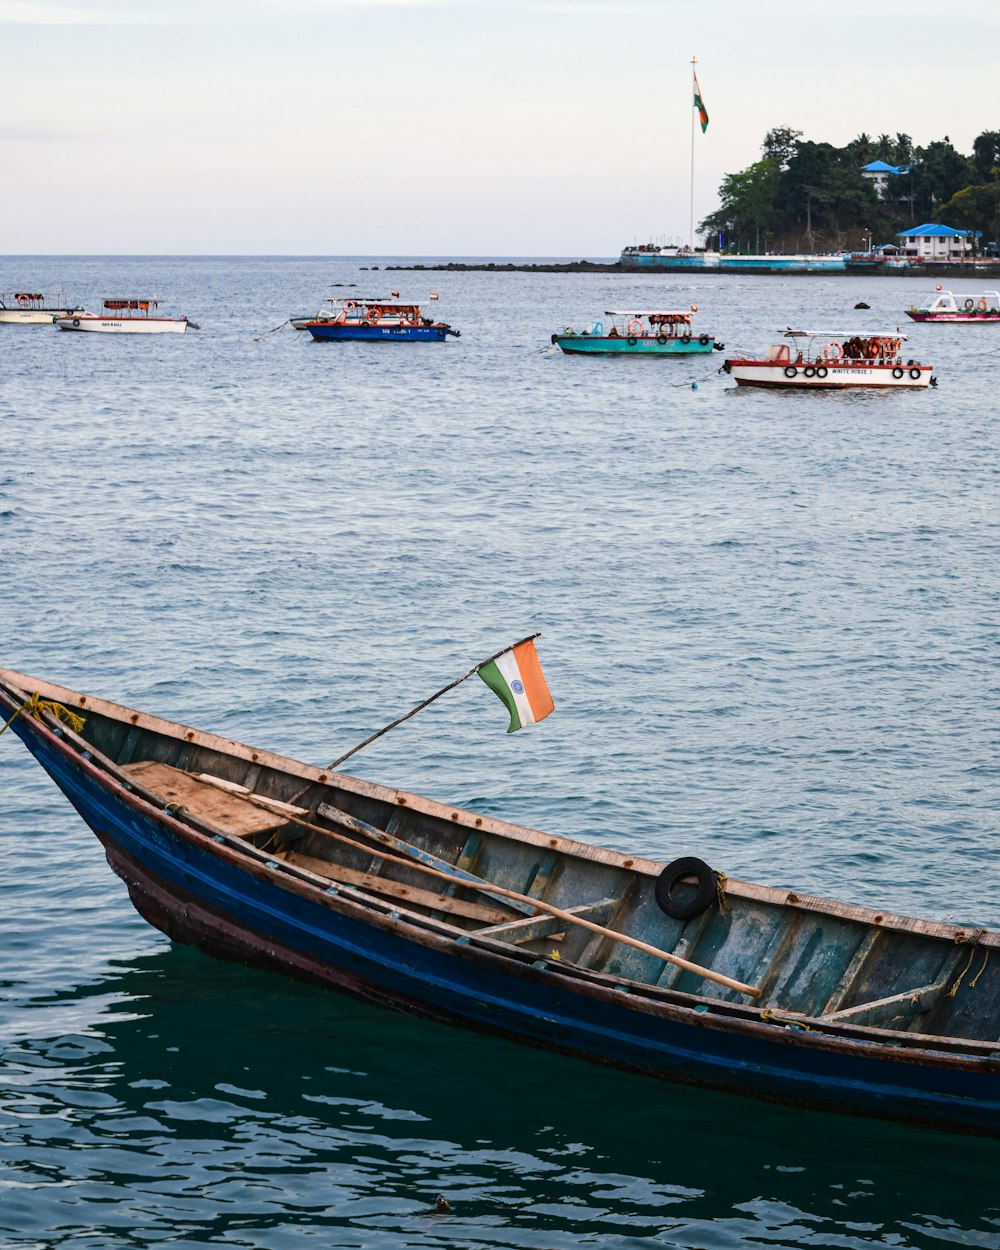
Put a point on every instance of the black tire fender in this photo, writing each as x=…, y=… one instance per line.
x=914, y=373
x=662, y=340
x=706, y=891
x=790, y=371
x=704, y=340
x=632, y=340
x=809, y=371
x=897, y=372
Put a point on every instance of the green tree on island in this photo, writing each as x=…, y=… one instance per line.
x=806, y=195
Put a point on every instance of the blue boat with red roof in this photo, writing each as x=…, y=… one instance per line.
x=378, y=321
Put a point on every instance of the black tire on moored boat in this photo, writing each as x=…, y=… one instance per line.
x=685, y=906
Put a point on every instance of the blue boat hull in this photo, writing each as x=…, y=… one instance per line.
x=377, y=334
x=201, y=890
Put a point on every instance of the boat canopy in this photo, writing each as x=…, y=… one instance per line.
x=653, y=312
x=143, y=304
x=841, y=334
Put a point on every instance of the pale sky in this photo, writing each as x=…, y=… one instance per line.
x=443, y=127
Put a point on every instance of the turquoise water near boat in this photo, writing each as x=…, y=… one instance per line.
x=767, y=629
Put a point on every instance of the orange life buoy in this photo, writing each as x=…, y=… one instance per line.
x=833, y=351
x=23, y=300
x=635, y=327
x=373, y=315
x=982, y=305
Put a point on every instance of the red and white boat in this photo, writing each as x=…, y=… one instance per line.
x=828, y=360
x=979, y=309
x=125, y=316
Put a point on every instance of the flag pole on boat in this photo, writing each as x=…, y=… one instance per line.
x=513, y=674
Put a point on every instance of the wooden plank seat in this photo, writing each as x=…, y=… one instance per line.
x=890, y=1012
x=531, y=928
x=205, y=800
x=411, y=895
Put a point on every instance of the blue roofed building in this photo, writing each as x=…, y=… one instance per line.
x=934, y=242
x=878, y=173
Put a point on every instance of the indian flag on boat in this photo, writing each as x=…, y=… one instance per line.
x=516, y=677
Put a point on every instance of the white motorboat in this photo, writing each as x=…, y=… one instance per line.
x=125, y=316
x=32, y=308
x=826, y=360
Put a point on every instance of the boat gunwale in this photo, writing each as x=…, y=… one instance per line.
x=449, y=815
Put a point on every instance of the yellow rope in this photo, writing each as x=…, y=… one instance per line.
x=720, y=889
x=954, y=989
x=36, y=705
x=975, y=979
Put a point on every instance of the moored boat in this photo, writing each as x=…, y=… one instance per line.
x=983, y=308
x=674, y=971
x=125, y=316
x=33, y=308
x=378, y=321
x=826, y=360
x=670, y=259
x=646, y=333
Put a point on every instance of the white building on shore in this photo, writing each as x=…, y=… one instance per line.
x=934, y=242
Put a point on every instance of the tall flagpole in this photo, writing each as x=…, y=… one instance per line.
x=694, y=62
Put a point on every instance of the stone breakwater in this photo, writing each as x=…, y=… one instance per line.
x=949, y=269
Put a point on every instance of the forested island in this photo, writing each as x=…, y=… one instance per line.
x=803, y=196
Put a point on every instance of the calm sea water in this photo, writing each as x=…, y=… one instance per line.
x=769, y=623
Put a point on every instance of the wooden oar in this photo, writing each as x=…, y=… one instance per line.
x=487, y=887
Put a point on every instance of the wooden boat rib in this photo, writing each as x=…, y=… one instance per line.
x=463, y=918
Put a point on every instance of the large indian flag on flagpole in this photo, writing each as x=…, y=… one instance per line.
x=516, y=676
x=699, y=104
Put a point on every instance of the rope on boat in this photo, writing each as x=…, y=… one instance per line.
x=36, y=705
x=961, y=976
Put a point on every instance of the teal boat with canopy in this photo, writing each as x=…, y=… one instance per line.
x=642, y=332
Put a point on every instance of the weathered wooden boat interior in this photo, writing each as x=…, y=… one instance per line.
x=848, y=970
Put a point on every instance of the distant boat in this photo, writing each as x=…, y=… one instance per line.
x=981, y=309
x=378, y=321
x=125, y=316
x=644, y=333
x=683, y=259
x=33, y=308
x=675, y=971
x=830, y=360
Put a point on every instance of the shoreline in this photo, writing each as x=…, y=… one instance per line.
x=944, y=269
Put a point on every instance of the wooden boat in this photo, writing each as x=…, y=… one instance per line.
x=377, y=321
x=980, y=309
x=677, y=972
x=125, y=316
x=647, y=332
x=831, y=360
x=33, y=308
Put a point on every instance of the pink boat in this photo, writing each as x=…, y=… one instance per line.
x=979, y=309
